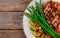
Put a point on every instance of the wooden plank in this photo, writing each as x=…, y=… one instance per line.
x=11, y=20
x=14, y=2
x=13, y=5
x=17, y=8
x=12, y=34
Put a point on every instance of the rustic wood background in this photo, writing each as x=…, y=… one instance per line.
x=11, y=15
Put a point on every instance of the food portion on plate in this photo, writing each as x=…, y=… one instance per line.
x=44, y=19
x=52, y=14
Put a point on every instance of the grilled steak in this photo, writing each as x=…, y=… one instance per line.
x=52, y=13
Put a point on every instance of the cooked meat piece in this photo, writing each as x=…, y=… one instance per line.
x=59, y=25
x=52, y=13
x=59, y=20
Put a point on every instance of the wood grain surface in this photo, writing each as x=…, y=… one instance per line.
x=13, y=5
x=11, y=16
x=11, y=20
x=12, y=34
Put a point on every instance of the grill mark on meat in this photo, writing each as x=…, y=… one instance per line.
x=49, y=16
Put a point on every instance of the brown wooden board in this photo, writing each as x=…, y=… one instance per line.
x=11, y=20
x=13, y=5
x=12, y=34
x=11, y=16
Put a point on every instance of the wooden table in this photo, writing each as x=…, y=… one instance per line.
x=11, y=15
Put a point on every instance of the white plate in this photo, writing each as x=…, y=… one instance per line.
x=27, y=31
